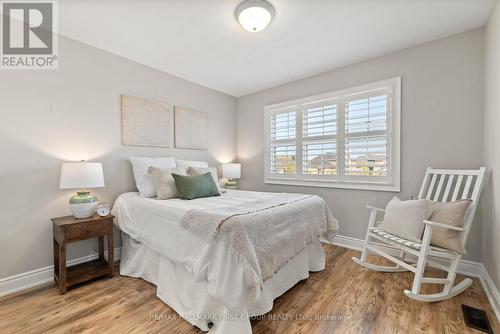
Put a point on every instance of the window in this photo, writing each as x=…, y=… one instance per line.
x=344, y=139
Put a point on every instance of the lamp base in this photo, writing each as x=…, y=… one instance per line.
x=83, y=204
x=231, y=183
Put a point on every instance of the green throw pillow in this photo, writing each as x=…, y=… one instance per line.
x=191, y=187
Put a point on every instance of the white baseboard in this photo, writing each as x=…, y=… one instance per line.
x=491, y=291
x=41, y=276
x=466, y=267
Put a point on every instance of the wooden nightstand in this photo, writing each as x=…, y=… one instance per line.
x=70, y=229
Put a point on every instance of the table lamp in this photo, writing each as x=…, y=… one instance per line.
x=231, y=172
x=83, y=176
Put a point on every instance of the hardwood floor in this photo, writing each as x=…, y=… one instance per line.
x=347, y=298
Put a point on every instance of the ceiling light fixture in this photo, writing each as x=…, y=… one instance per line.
x=254, y=15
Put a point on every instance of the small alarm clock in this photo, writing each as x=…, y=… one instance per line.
x=103, y=209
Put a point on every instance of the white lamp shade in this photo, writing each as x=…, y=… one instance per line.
x=231, y=171
x=81, y=175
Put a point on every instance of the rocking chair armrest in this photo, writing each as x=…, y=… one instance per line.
x=369, y=207
x=440, y=225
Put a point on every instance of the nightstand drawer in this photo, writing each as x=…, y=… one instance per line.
x=87, y=230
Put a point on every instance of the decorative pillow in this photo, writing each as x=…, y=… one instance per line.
x=144, y=181
x=451, y=213
x=405, y=218
x=191, y=187
x=190, y=163
x=193, y=171
x=165, y=183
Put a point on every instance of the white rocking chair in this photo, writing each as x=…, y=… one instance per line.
x=447, y=260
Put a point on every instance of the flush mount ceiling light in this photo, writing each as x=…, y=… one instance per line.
x=254, y=15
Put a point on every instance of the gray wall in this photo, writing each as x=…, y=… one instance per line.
x=442, y=100
x=491, y=153
x=73, y=113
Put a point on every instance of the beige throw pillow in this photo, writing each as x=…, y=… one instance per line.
x=405, y=218
x=165, y=183
x=451, y=213
x=144, y=181
x=194, y=171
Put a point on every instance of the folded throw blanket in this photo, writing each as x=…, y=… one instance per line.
x=265, y=235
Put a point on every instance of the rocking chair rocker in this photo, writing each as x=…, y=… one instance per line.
x=427, y=254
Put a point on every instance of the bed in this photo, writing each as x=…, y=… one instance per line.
x=202, y=281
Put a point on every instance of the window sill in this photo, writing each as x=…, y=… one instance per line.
x=338, y=185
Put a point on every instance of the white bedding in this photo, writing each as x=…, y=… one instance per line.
x=155, y=223
x=157, y=242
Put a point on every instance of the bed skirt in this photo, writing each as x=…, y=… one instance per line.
x=199, y=302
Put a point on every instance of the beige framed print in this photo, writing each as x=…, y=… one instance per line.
x=145, y=122
x=191, y=128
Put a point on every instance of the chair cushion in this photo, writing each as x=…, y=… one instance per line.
x=451, y=213
x=405, y=218
x=394, y=238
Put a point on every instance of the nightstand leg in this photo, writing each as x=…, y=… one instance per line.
x=56, y=260
x=100, y=241
x=62, y=268
x=111, y=251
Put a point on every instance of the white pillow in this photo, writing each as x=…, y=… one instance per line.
x=405, y=218
x=190, y=163
x=165, y=183
x=193, y=171
x=143, y=180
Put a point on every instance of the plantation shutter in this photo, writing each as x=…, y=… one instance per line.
x=348, y=139
x=319, y=138
x=283, y=144
x=366, y=132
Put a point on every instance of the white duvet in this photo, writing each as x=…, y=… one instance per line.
x=155, y=223
x=194, y=277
